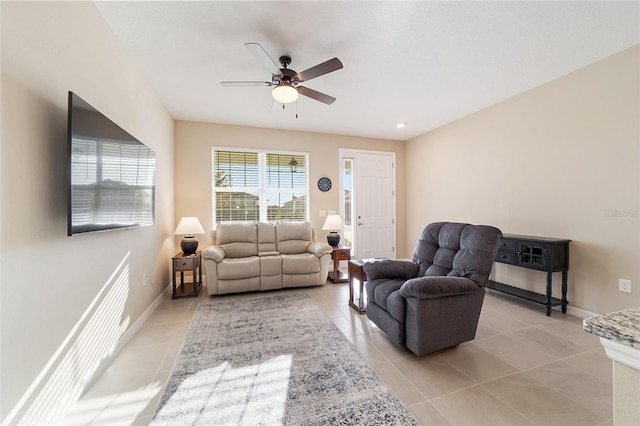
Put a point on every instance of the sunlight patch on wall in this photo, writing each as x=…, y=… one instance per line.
x=61, y=383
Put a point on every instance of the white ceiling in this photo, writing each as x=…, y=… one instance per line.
x=424, y=63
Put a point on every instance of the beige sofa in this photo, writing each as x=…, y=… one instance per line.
x=264, y=256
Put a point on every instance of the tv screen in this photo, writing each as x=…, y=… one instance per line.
x=111, y=173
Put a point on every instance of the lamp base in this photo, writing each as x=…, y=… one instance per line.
x=189, y=245
x=333, y=238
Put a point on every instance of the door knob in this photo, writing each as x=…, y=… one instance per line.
x=360, y=223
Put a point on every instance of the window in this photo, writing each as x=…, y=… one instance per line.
x=347, y=205
x=112, y=183
x=253, y=186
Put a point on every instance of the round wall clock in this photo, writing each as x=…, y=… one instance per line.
x=324, y=184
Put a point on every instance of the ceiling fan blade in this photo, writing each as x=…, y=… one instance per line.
x=320, y=69
x=245, y=83
x=264, y=58
x=314, y=94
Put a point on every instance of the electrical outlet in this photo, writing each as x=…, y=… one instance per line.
x=624, y=285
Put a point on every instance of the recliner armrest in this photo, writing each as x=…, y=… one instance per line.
x=319, y=248
x=215, y=253
x=435, y=287
x=392, y=269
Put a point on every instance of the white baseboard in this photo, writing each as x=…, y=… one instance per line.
x=576, y=312
x=571, y=310
x=127, y=336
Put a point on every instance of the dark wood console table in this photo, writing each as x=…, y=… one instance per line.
x=539, y=253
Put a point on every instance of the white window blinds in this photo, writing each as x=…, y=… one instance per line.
x=112, y=183
x=259, y=186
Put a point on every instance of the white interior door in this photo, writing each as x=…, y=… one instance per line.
x=374, y=222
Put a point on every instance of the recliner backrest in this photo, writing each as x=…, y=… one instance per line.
x=458, y=250
x=237, y=239
x=293, y=237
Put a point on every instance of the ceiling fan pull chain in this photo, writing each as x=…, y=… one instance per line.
x=296, y=109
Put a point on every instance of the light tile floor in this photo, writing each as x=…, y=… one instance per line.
x=522, y=368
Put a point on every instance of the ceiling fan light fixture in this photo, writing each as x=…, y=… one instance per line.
x=285, y=93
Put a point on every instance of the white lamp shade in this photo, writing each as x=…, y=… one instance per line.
x=333, y=223
x=189, y=226
x=285, y=93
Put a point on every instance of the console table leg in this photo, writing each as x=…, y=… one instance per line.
x=564, y=292
x=549, y=288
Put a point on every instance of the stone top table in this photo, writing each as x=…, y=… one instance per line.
x=622, y=327
x=620, y=335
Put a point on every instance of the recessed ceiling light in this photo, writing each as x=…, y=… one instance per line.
x=401, y=125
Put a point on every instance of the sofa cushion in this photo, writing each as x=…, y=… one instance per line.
x=385, y=293
x=238, y=239
x=293, y=237
x=305, y=263
x=239, y=268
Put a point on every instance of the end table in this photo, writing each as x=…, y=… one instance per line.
x=357, y=297
x=187, y=262
x=339, y=253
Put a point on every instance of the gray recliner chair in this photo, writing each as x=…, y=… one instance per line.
x=433, y=301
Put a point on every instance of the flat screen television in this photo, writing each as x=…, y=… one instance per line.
x=111, y=174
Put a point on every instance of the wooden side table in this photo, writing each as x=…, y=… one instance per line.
x=357, y=299
x=338, y=254
x=187, y=262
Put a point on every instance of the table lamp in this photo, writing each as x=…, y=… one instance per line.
x=189, y=226
x=333, y=224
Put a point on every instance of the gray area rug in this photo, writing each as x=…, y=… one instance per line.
x=274, y=360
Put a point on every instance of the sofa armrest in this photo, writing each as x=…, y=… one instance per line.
x=214, y=253
x=392, y=269
x=435, y=287
x=319, y=248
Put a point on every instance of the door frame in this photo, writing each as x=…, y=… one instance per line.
x=350, y=153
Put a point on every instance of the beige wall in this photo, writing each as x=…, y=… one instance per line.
x=561, y=160
x=193, y=166
x=62, y=312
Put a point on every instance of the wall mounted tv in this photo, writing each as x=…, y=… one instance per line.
x=111, y=174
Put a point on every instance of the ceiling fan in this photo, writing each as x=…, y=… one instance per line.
x=287, y=81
